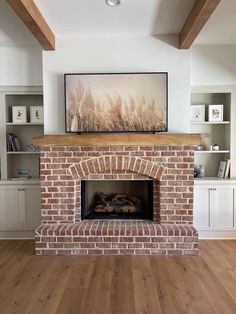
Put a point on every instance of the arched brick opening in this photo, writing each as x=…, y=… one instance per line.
x=103, y=164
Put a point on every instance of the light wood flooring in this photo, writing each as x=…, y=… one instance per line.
x=118, y=284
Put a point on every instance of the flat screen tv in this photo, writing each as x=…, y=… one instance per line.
x=116, y=102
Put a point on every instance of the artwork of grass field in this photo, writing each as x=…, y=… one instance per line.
x=86, y=112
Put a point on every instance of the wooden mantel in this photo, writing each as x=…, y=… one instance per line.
x=129, y=139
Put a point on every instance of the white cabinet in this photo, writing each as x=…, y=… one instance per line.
x=10, y=208
x=32, y=212
x=224, y=207
x=20, y=207
x=214, y=206
x=202, y=207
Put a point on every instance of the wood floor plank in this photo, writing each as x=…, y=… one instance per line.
x=27, y=285
x=9, y=249
x=223, y=267
x=122, y=294
x=118, y=284
x=179, y=292
x=145, y=292
x=89, y=285
x=212, y=287
x=14, y=267
x=49, y=290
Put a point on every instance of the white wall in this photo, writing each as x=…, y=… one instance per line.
x=20, y=66
x=116, y=54
x=213, y=65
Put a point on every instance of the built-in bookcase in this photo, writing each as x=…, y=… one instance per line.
x=219, y=133
x=11, y=161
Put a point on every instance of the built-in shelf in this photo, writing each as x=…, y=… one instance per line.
x=23, y=124
x=22, y=152
x=214, y=179
x=209, y=122
x=22, y=180
x=212, y=151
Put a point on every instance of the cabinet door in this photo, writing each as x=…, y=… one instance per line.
x=202, y=211
x=11, y=207
x=32, y=208
x=224, y=204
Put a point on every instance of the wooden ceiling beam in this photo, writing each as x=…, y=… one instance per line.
x=29, y=13
x=200, y=13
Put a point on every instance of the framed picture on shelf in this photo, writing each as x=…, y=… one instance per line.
x=222, y=167
x=24, y=172
x=19, y=114
x=215, y=113
x=227, y=169
x=197, y=113
x=36, y=114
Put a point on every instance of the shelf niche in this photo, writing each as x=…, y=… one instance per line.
x=11, y=161
x=213, y=132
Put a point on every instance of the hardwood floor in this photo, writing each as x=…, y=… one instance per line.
x=118, y=284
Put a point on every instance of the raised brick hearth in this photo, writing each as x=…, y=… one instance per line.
x=170, y=233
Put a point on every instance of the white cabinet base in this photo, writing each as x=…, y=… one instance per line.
x=216, y=235
x=20, y=209
x=214, y=213
x=16, y=235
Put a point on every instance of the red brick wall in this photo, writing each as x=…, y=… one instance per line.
x=171, y=167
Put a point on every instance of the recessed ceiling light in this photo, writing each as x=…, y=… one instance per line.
x=113, y=3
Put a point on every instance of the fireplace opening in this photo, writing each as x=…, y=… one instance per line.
x=117, y=199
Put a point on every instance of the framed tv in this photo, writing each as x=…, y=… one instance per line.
x=116, y=102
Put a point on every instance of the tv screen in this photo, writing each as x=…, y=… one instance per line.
x=116, y=102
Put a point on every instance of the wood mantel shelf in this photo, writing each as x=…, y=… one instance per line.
x=129, y=139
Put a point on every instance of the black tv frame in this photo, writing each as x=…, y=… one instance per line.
x=115, y=73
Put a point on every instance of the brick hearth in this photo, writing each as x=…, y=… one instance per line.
x=170, y=233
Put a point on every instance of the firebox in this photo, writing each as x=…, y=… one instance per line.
x=117, y=199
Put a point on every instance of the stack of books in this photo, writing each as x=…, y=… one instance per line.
x=13, y=143
x=224, y=169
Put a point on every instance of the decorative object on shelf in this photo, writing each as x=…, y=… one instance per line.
x=197, y=113
x=13, y=143
x=227, y=169
x=221, y=170
x=199, y=171
x=215, y=113
x=24, y=172
x=32, y=148
x=19, y=114
x=215, y=147
x=195, y=171
x=199, y=147
x=36, y=114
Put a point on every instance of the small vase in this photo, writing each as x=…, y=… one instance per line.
x=201, y=171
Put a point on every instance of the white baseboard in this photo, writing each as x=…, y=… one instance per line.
x=16, y=235
x=216, y=235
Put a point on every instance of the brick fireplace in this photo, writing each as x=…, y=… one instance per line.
x=168, y=163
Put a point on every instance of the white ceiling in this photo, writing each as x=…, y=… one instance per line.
x=133, y=17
